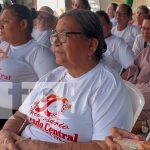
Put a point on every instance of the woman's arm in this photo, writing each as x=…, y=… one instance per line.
x=15, y=123
x=38, y=145
x=10, y=132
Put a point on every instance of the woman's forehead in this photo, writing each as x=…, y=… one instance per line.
x=67, y=22
x=9, y=12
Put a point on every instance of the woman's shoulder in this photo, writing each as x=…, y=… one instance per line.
x=38, y=49
x=107, y=75
x=53, y=75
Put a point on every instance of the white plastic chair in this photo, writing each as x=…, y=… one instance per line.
x=137, y=101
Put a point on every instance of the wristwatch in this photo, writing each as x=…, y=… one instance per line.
x=144, y=127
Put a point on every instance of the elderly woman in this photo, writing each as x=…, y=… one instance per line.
x=23, y=59
x=141, y=12
x=77, y=103
x=44, y=23
x=123, y=29
x=81, y=4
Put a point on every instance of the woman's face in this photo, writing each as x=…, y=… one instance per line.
x=139, y=16
x=74, y=51
x=146, y=30
x=10, y=26
x=44, y=21
x=110, y=11
x=78, y=4
x=122, y=16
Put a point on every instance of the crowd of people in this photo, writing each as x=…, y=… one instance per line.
x=79, y=61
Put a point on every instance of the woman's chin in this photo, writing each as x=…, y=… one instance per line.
x=59, y=62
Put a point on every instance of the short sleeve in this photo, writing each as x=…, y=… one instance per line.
x=111, y=107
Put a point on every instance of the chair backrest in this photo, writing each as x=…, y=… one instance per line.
x=137, y=101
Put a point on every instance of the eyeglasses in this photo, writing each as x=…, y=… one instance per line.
x=62, y=37
x=123, y=13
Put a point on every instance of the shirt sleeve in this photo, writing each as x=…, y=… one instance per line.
x=126, y=55
x=138, y=45
x=43, y=61
x=111, y=107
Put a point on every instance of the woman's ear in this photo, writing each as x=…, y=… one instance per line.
x=93, y=44
x=23, y=24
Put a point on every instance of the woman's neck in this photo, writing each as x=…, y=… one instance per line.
x=21, y=41
x=82, y=69
x=121, y=27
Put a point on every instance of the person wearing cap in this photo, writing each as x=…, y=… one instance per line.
x=44, y=23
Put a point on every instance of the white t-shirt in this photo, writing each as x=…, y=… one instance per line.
x=138, y=45
x=119, y=54
x=42, y=37
x=114, y=22
x=128, y=34
x=24, y=63
x=77, y=109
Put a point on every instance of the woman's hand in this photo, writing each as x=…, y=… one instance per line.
x=120, y=134
x=8, y=139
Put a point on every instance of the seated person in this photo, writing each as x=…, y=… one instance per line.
x=123, y=29
x=141, y=12
x=22, y=59
x=139, y=74
x=140, y=42
x=111, y=10
x=118, y=55
x=44, y=23
x=78, y=102
x=81, y=4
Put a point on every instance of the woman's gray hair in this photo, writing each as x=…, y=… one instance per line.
x=90, y=27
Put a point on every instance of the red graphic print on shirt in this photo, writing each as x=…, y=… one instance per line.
x=47, y=115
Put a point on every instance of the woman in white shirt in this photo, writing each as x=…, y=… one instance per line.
x=25, y=60
x=77, y=102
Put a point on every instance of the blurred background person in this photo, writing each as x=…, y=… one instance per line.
x=111, y=10
x=141, y=41
x=141, y=12
x=139, y=74
x=81, y=4
x=25, y=60
x=78, y=102
x=44, y=23
x=123, y=30
x=118, y=54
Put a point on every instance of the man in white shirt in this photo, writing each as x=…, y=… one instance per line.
x=123, y=29
x=118, y=55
